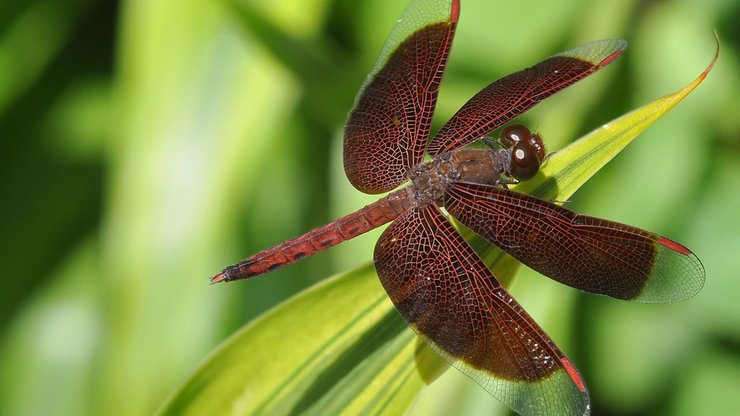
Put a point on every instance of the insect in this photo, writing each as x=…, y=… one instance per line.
x=437, y=282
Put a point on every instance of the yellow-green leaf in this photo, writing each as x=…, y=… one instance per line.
x=339, y=347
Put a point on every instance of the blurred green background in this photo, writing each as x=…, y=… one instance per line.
x=146, y=145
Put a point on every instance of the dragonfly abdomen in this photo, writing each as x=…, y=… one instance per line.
x=319, y=239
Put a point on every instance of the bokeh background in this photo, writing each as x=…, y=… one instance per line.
x=146, y=145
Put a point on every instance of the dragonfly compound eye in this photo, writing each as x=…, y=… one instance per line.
x=514, y=134
x=525, y=160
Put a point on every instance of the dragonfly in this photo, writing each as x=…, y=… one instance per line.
x=437, y=282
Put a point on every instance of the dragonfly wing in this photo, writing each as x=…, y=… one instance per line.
x=388, y=127
x=514, y=94
x=452, y=300
x=587, y=253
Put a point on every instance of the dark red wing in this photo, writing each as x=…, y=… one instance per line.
x=512, y=95
x=388, y=128
x=450, y=298
x=583, y=252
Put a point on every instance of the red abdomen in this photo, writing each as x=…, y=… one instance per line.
x=345, y=228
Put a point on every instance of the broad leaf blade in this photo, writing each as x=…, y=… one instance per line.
x=340, y=347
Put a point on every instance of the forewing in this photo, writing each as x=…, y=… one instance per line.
x=449, y=297
x=583, y=252
x=514, y=94
x=388, y=128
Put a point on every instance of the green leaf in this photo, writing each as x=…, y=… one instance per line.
x=340, y=347
x=337, y=347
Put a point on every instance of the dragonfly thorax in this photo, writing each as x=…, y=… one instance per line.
x=431, y=179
